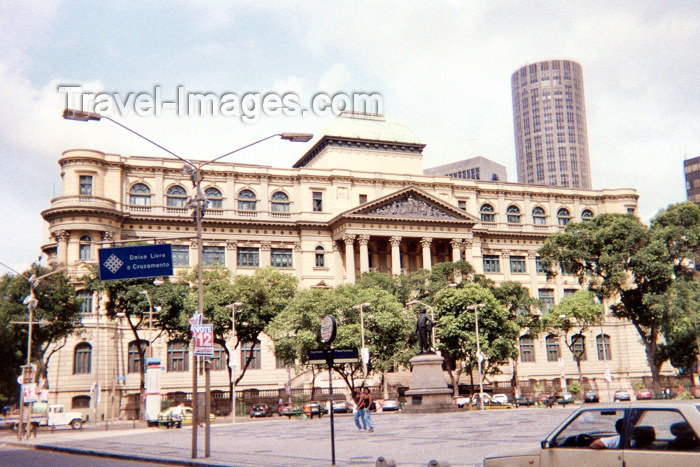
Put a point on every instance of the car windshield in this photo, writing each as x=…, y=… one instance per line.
x=589, y=424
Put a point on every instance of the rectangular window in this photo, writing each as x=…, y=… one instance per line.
x=86, y=185
x=546, y=296
x=248, y=257
x=363, y=199
x=527, y=349
x=213, y=254
x=492, y=263
x=281, y=257
x=568, y=292
x=218, y=361
x=279, y=364
x=552, y=344
x=538, y=265
x=178, y=356
x=578, y=346
x=603, y=345
x=248, y=351
x=181, y=255
x=517, y=265
x=317, y=201
x=462, y=204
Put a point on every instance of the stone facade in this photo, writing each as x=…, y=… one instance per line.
x=325, y=226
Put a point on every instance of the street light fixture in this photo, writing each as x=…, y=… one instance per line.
x=232, y=360
x=198, y=204
x=479, y=355
x=363, y=351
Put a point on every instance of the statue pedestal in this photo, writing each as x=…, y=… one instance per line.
x=428, y=391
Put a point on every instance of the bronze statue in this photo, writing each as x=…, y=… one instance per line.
x=424, y=327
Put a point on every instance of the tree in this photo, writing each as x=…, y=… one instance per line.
x=57, y=306
x=681, y=333
x=572, y=317
x=621, y=260
x=456, y=331
x=387, y=328
x=518, y=303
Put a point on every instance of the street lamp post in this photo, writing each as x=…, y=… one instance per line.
x=479, y=356
x=198, y=204
x=151, y=310
x=232, y=360
x=363, y=351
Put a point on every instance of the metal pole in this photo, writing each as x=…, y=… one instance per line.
x=362, y=334
x=207, y=406
x=194, y=406
x=478, y=352
x=329, y=360
x=604, y=345
x=200, y=301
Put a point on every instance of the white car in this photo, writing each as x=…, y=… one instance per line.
x=499, y=399
x=663, y=433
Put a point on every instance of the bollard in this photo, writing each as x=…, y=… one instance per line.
x=107, y=425
x=434, y=463
x=381, y=462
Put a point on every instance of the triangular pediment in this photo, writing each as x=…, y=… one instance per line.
x=411, y=204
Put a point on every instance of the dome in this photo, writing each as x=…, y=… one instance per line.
x=370, y=127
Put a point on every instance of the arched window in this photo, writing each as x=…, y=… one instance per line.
x=578, y=346
x=280, y=202
x=215, y=198
x=603, y=344
x=85, y=248
x=246, y=200
x=320, y=257
x=176, y=197
x=487, y=213
x=82, y=359
x=527, y=349
x=586, y=215
x=178, y=356
x=140, y=195
x=552, y=344
x=85, y=302
x=538, y=216
x=80, y=402
x=563, y=216
x=134, y=358
x=513, y=214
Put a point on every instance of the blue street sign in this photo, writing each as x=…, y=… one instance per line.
x=135, y=262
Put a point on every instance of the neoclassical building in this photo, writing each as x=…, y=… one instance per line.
x=356, y=201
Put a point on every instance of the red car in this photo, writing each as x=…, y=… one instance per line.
x=644, y=394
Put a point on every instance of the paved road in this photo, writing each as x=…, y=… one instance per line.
x=12, y=456
x=462, y=438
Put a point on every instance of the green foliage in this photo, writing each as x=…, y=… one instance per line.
x=57, y=305
x=620, y=259
x=574, y=387
x=456, y=327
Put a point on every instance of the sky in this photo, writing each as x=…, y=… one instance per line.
x=441, y=68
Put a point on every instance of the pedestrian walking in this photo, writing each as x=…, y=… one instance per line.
x=358, y=403
x=367, y=398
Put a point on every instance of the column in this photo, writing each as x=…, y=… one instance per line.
x=298, y=260
x=364, y=253
x=62, y=251
x=349, y=258
x=337, y=264
x=469, y=253
x=427, y=260
x=265, y=258
x=232, y=257
x=532, y=267
x=395, y=255
x=505, y=265
x=456, y=245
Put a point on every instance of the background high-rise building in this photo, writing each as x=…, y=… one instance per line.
x=549, y=117
x=692, y=179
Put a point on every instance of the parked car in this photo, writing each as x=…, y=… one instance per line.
x=342, y=407
x=289, y=410
x=525, y=399
x=650, y=433
x=621, y=395
x=314, y=408
x=485, y=398
x=591, y=396
x=543, y=398
x=390, y=405
x=460, y=401
x=166, y=419
x=565, y=398
x=260, y=410
x=644, y=394
x=499, y=399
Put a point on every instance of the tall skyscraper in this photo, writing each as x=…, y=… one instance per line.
x=692, y=179
x=549, y=119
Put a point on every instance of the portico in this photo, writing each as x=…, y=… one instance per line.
x=402, y=232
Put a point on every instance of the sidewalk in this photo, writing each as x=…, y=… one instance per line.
x=461, y=438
